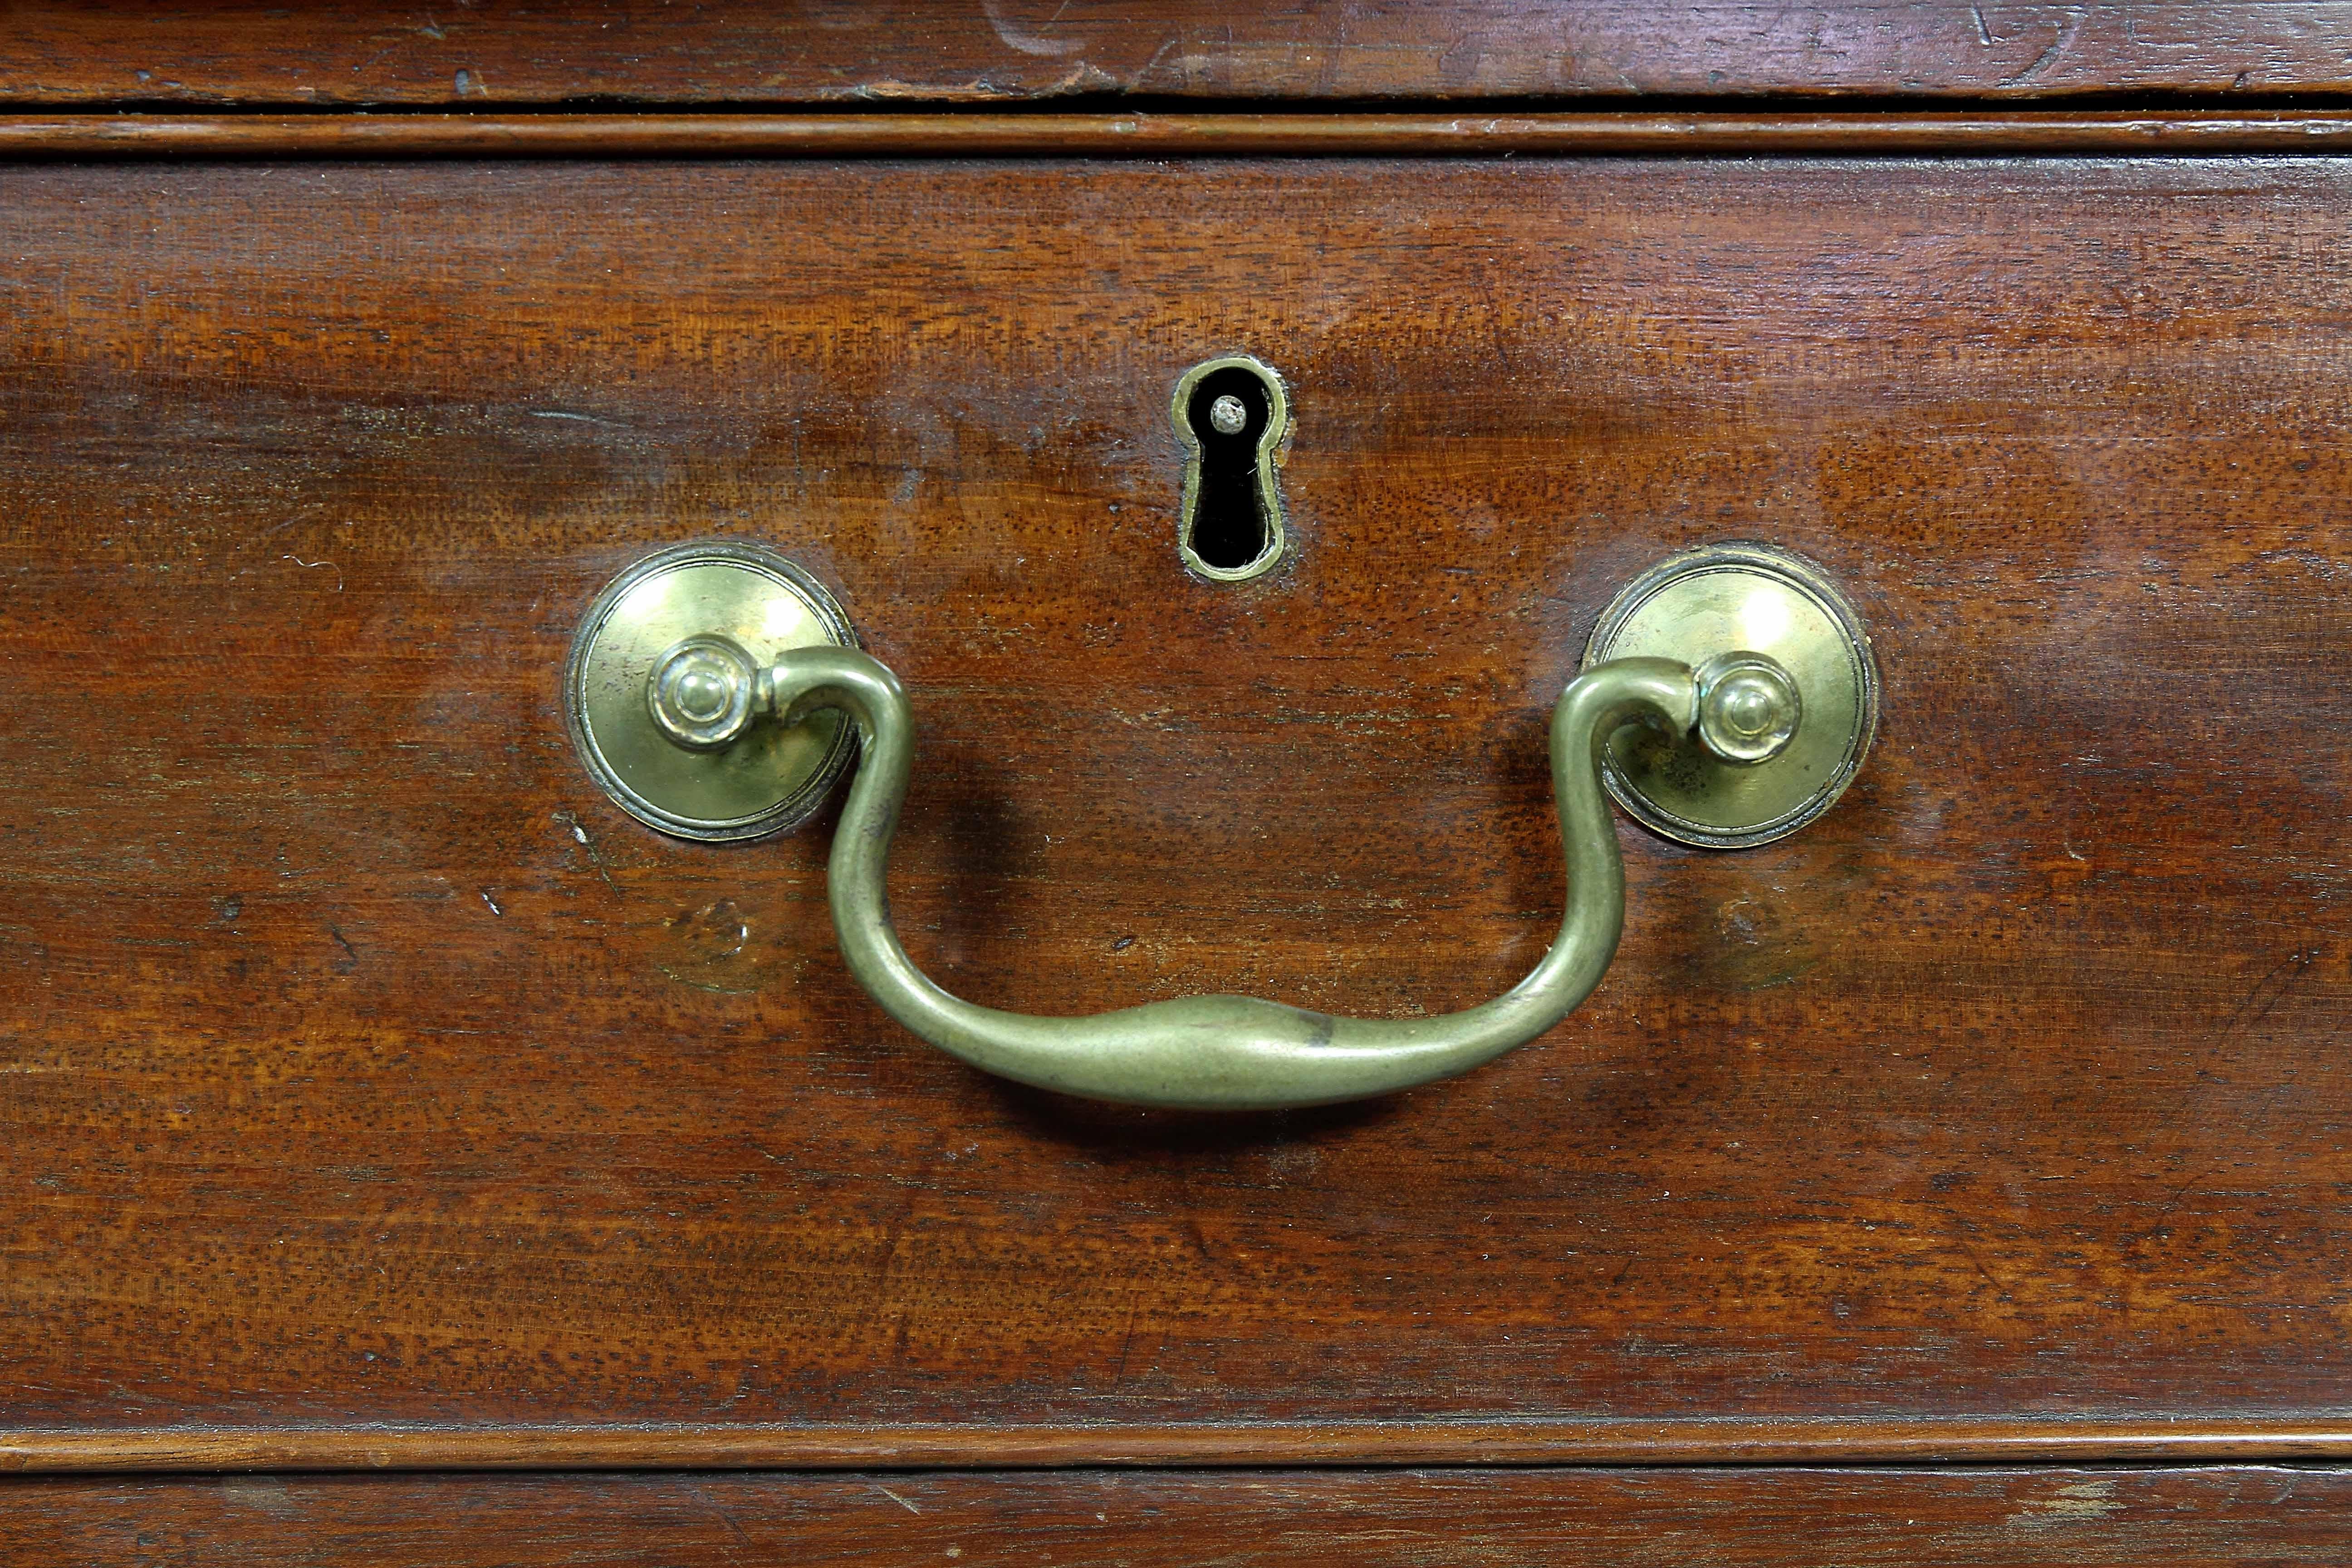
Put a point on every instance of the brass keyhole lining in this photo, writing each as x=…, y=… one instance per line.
x=1232, y=414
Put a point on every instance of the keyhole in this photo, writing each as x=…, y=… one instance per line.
x=1228, y=412
x=1232, y=414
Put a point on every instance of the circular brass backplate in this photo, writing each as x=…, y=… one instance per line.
x=1741, y=598
x=772, y=777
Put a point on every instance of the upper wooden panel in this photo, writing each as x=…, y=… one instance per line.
x=996, y=50
x=360, y=1065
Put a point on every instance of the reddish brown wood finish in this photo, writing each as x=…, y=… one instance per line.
x=363, y=1066
x=1641, y=1519
x=2175, y=133
x=1507, y=1440
x=990, y=51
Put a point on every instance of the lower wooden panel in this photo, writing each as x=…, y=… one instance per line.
x=2182, y=1517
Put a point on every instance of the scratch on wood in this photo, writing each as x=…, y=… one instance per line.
x=2273, y=988
x=2076, y=1503
x=299, y=561
x=2067, y=30
x=1021, y=39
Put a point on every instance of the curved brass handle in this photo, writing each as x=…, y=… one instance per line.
x=1756, y=745
x=1224, y=1053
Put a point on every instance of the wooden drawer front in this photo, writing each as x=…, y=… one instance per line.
x=363, y=1065
x=1738, y=1519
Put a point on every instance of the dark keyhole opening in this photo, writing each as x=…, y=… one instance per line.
x=1230, y=527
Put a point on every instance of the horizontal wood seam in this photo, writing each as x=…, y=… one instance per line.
x=1479, y=1444
x=1114, y=135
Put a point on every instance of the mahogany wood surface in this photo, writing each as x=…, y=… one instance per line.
x=2238, y=1517
x=991, y=51
x=361, y=1070
x=1406, y=1440
x=1981, y=133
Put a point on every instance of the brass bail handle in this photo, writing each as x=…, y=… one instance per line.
x=706, y=692
x=1740, y=734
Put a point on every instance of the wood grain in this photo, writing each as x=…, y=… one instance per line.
x=1738, y=1519
x=992, y=51
x=1506, y=1440
x=361, y=1070
x=2177, y=134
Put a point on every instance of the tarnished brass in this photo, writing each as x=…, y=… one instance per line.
x=1225, y=1052
x=722, y=660
x=663, y=681
x=1207, y=416
x=1748, y=708
x=1789, y=695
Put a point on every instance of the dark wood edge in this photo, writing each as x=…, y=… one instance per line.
x=367, y=136
x=1730, y=1441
